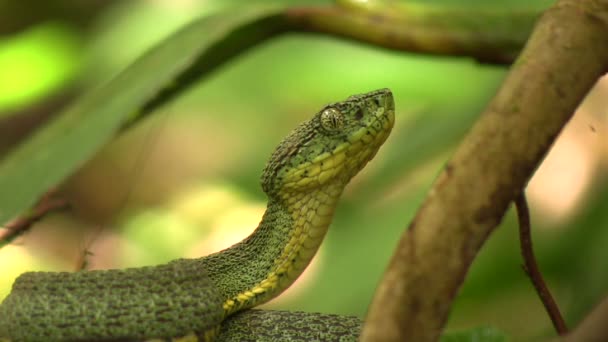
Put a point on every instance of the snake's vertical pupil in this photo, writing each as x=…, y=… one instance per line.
x=336, y=122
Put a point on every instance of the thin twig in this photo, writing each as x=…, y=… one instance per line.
x=47, y=203
x=531, y=266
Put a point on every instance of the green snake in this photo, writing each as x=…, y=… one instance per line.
x=187, y=299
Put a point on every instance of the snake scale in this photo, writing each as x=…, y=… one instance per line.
x=187, y=299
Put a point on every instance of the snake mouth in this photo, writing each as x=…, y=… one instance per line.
x=383, y=118
x=389, y=101
x=378, y=126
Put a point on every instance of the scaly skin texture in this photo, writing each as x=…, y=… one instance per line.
x=266, y=325
x=187, y=299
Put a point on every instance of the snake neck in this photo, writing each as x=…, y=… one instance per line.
x=267, y=262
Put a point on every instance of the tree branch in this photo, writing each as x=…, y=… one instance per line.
x=558, y=66
x=490, y=36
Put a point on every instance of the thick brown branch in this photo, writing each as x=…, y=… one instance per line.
x=531, y=266
x=557, y=68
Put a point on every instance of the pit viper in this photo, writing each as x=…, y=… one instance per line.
x=187, y=299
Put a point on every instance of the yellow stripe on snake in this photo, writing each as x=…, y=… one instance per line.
x=187, y=299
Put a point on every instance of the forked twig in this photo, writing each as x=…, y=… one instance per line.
x=531, y=266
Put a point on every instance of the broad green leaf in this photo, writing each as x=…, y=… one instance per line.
x=59, y=148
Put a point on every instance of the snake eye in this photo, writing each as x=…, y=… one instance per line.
x=332, y=119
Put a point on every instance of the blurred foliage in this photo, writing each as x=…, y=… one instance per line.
x=485, y=334
x=185, y=181
x=36, y=62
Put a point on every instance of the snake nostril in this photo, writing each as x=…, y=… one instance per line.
x=359, y=114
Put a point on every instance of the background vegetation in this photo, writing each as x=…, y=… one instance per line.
x=184, y=183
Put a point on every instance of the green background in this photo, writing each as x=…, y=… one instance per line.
x=185, y=181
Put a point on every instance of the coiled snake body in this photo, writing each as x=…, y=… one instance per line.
x=187, y=299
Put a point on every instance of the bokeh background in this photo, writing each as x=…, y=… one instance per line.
x=185, y=182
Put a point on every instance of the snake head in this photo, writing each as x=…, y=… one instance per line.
x=332, y=146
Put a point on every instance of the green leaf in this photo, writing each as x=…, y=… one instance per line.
x=60, y=147
x=479, y=334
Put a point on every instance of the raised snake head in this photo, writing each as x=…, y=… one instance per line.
x=332, y=146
